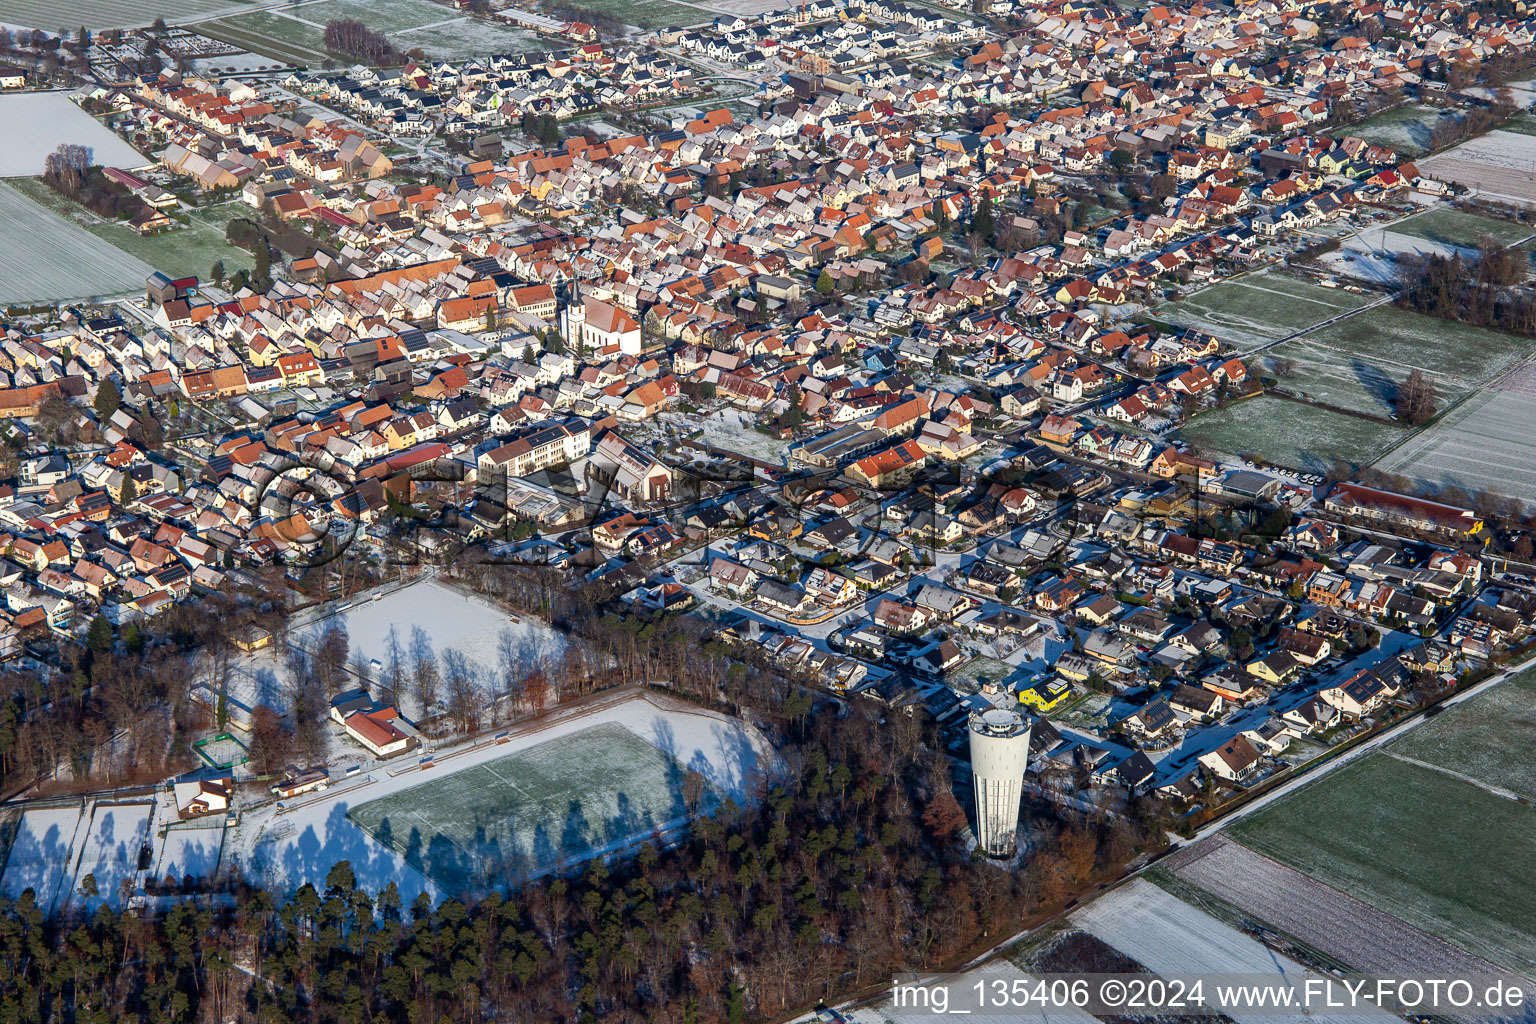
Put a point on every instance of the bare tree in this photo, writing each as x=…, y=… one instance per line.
x=1415, y=399
x=460, y=677
x=424, y=670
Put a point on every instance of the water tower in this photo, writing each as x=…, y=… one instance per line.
x=999, y=755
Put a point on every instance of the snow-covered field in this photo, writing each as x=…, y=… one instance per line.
x=1168, y=936
x=450, y=617
x=187, y=850
x=44, y=257
x=284, y=849
x=110, y=852
x=1484, y=442
x=95, y=14
x=1499, y=165
x=1371, y=254
x=34, y=124
x=1366, y=939
x=40, y=857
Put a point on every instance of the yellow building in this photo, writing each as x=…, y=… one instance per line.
x=1046, y=696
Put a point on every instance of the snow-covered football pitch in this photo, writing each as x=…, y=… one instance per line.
x=563, y=800
x=586, y=781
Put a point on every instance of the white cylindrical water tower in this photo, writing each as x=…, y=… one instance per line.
x=999, y=755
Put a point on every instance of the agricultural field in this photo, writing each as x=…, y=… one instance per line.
x=181, y=253
x=1168, y=936
x=34, y=124
x=1521, y=124
x=1340, y=926
x=1487, y=738
x=95, y=14
x=1448, y=857
x=46, y=258
x=1258, y=308
x=297, y=33
x=657, y=13
x=1290, y=434
x=1358, y=363
x=1459, y=228
x=1405, y=129
x=1498, y=165
x=529, y=811
x=1485, y=442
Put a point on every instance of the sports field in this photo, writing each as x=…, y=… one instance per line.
x=1258, y=308
x=1486, y=441
x=1444, y=855
x=1290, y=434
x=558, y=802
x=44, y=257
x=94, y=14
x=296, y=33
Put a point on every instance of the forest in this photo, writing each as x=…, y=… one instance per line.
x=846, y=868
x=1486, y=291
x=842, y=873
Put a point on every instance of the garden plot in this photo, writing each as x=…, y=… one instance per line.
x=1259, y=308
x=45, y=258
x=1446, y=856
x=1485, y=442
x=1290, y=433
x=1354, y=933
x=34, y=124
x=110, y=854
x=1487, y=738
x=730, y=429
x=1500, y=165
x=94, y=14
x=300, y=843
x=1168, y=936
x=1359, y=363
x=41, y=855
x=1406, y=129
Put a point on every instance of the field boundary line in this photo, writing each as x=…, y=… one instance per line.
x=1459, y=776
